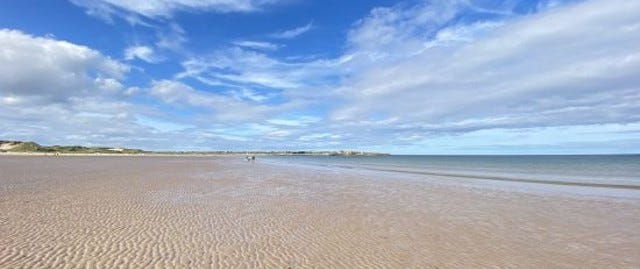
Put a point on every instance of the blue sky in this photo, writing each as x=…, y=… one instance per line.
x=416, y=77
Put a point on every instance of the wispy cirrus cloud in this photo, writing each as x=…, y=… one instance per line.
x=240, y=67
x=457, y=77
x=144, y=53
x=292, y=33
x=216, y=106
x=171, y=37
x=543, y=69
x=166, y=8
x=259, y=45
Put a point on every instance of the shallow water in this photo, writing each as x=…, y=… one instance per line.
x=621, y=170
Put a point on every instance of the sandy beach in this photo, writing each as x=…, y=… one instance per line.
x=223, y=212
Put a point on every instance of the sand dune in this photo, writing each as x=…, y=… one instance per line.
x=181, y=212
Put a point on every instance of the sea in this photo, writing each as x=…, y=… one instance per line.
x=612, y=171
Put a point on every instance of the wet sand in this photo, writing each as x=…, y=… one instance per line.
x=190, y=212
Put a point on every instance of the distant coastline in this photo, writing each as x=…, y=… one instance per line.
x=9, y=147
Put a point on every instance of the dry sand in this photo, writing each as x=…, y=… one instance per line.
x=182, y=212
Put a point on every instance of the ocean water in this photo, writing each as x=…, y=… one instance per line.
x=618, y=171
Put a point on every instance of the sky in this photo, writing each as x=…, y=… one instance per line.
x=404, y=77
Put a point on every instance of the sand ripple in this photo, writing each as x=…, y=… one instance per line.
x=164, y=212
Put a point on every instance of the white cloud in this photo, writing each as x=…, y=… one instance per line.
x=319, y=136
x=248, y=94
x=292, y=33
x=222, y=107
x=160, y=125
x=245, y=68
x=436, y=77
x=398, y=29
x=579, y=139
x=43, y=69
x=55, y=92
x=569, y=65
x=86, y=120
x=179, y=93
x=301, y=121
x=172, y=37
x=257, y=45
x=144, y=53
x=166, y=8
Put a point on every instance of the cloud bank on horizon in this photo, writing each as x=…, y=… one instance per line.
x=428, y=76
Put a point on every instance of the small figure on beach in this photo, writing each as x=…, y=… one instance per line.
x=251, y=158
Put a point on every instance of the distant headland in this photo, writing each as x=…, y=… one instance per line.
x=7, y=146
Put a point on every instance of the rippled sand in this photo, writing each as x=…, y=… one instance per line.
x=180, y=212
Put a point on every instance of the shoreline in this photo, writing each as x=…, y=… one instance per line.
x=505, y=179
